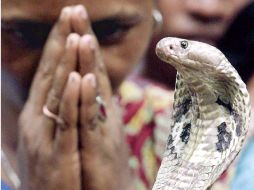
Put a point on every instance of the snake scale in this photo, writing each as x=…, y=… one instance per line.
x=211, y=116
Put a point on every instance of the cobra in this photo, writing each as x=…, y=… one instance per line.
x=211, y=116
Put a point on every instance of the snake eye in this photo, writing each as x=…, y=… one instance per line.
x=184, y=44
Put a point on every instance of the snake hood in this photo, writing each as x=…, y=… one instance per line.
x=211, y=116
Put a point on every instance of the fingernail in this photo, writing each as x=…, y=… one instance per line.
x=65, y=11
x=73, y=76
x=81, y=11
x=71, y=39
x=88, y=39
x=90, y=78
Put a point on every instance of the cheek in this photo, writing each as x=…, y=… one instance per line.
x=122, y=58
x=174, y=14
x=120, y=61
x=20, y=62
x=233, y=7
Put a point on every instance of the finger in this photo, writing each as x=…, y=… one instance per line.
x=80, y=20
x=91, y=61
x=66, y=140
x=51, y=55
x=86, y=55
x=68, y=64
x=88, y=108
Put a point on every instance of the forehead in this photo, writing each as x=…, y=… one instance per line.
x=50, y=9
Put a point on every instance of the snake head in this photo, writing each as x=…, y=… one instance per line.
x=188, y=54
x=173, y=50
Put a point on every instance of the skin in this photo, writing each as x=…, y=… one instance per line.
x=71, y=69
x=204, y=21
x=115, y=59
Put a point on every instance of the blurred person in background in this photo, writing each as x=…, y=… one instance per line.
x=67, y=132
x=229, y=25
x=204, y=20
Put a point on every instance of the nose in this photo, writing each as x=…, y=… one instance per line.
x=205, y=10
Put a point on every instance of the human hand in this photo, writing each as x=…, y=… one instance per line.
x=48, y=150
x=104, y=152
x=48, y=153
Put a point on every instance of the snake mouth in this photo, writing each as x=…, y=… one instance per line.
x=165, y=53
x=166, y=56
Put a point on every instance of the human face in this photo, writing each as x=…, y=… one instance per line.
x=123, y=29
x=202, y=20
